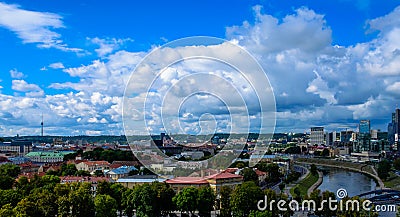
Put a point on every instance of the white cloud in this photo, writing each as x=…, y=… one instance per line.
x=57, y=65
x=354, y=82
x=23, y=86
x=108, y=45
x=34, y=27
x=30, y=90
x=16, y=74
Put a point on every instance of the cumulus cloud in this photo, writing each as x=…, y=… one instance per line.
x=108, y=45
x=350, y=79
x=315, y=82
x=57, y=65
x=30, y=90
x=16, y=74
x=34, y=27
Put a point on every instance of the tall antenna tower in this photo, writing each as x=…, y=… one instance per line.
x=42, y=125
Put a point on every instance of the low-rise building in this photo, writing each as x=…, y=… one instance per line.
x=215, y=181
x=120, y=172
x=178, y=183
x=94, y=181
x=92, y=166
x=17, y=147
x=132, y=181
x=47, y=156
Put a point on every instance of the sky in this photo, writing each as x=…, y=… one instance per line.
x=329, y=63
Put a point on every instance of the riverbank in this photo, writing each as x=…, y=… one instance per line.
x=305, y=184
x=316, y=184
x=361, y=168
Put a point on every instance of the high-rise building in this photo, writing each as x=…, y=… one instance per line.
x=394, y=129
x=364, y=127
x=345, y=136
x=331, y=138
x=364, y=136
x=374, y=134
x=317, y=136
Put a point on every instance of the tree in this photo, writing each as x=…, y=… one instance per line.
x=26, y=208
x=9, y=196
x=49, y=181
x=260, y=214
x=7, y=211
x=225, y=198
x=82, y=173
x=205, y=201
x=10, y=170
x=103, y=187
x=383, y=169
x=105, y=206
x=325, y=152
x=81, y=199
x=249, y=175
x=281, y=187
x=164, y=198
x=244, y=198
x=186, y=200
x=144, y=197
x=239, y=164
x=354, y=212
x=313, y=169
x=127, y=202
x=68, y=170
x=271, y=195
x=98, y=173
x=396, y=164
x=6, y=182
x=116, y=192
x=273, y=172
x=45, y=201
x=297, y=194
x=64, y=206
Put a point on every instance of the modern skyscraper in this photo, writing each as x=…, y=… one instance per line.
x=394, y=129
x=364, y=136
x=317, y=136
x=330, y=138
x=364, y=127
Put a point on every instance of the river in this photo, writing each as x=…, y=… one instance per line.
x=354, y=183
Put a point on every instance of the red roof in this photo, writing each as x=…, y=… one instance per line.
x=260, y=173
x=187, y=180
x=93, y=163
x=82, y=179
x=224, y=175
x=231, y=170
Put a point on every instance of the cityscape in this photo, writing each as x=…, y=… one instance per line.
x=240, y=109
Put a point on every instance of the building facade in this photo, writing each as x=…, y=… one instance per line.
x=16, y=148
x=317, y=136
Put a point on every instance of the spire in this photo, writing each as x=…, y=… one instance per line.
x=42, y=125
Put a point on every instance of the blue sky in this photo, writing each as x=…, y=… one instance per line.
x=330, y=63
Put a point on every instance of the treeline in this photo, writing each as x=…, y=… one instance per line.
x=46, y=197
x=109, y=155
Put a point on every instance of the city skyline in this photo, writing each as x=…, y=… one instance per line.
x=329, y=64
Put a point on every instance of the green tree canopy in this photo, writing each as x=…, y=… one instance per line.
x=105, y=205
x=244, y=198
x=384, y=169
x=205, y=201
x=145, y=198
x=225, y=198
x=249, y=175
x=186, y=199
